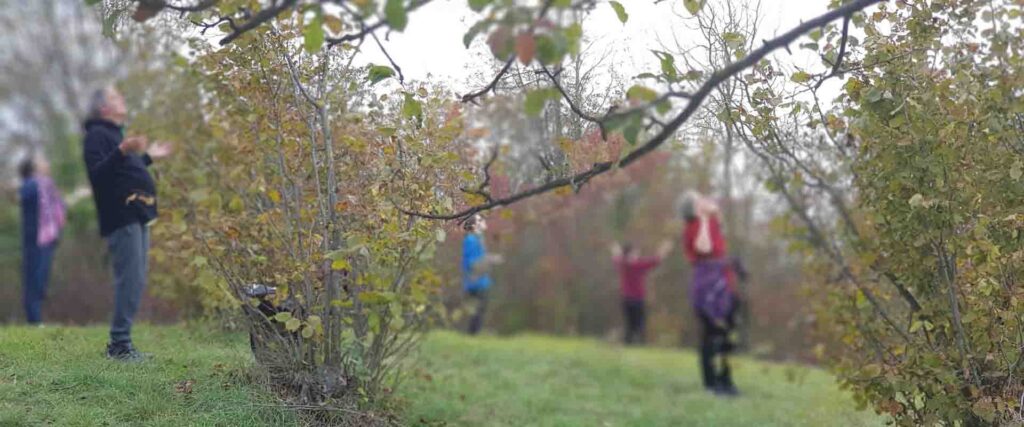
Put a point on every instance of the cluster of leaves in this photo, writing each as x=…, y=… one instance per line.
x=917, y=175
x=290, y=178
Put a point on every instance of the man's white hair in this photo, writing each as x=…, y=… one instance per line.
x=97, y=101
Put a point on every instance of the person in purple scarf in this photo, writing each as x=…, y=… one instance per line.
x=43, y=215
x=712, y=290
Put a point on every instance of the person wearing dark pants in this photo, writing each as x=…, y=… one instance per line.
x=128, y=246
x=480, y=299
x=635, y=311
x=125, y=197
x=633, y=270
x=476, y=264
x=715, y=346
x=42, y=218
x=712, y=290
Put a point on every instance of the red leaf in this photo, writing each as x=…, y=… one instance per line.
x=526, y=46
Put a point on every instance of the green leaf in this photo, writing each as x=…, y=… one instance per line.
x=378, y=73
x=642, y=93
x=307, y=332
x=394, y=11
x=1017, y=170
x=693, y=6
x=562, y=4
x=340, y=264
x=412, y=108
x=668, y=65
x=815, y=34
x=478, y=5
x=373, y=298
x=620, y=11
x=314, y=34
x=800, y=77
x=985, y=409
x=663, y=107
x=92, y=2
x=536, y=99
x=872, y=95
x=632, y=132
x=236, y=204
x=334, y=24
x=292, y=324
x=551, y=48
x=283, y=316
x=916, y=200
x=734, y=40
x=573, y=35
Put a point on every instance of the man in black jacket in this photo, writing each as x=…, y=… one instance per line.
x=125, y=196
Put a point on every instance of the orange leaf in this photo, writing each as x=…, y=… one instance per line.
x=526, y=46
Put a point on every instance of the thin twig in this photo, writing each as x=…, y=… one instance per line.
x=401, y=77
x=257, y=20
x=839, y=57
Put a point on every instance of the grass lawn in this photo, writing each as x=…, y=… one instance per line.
x=543, y=381
x=58, y=376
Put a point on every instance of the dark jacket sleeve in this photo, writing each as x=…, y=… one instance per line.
x=101, y=157
x=146, y=159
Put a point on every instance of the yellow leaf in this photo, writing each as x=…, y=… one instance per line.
x=334, y=24
x=274, y=196
x=340, y=264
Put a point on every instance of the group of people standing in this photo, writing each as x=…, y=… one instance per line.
x=125, y=196
x=712, y=292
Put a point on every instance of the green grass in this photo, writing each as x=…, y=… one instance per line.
x=58, y=376
x=543, y=381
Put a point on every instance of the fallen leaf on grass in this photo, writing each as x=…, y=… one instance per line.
x=184, y=387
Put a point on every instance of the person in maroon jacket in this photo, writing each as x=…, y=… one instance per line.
x=633, y=270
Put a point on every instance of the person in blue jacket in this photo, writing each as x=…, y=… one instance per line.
x=476, y=265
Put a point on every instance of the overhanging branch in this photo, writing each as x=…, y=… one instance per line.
x=696, y=99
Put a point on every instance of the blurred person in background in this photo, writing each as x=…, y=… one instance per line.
x=633, y=269
x=43, y=215
x=712, y=290
x=476, y=267
x=125, y=197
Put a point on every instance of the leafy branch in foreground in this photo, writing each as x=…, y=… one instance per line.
x=672, y=126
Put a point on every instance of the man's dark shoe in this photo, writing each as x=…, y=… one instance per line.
x=726, y=390
x=125, y=353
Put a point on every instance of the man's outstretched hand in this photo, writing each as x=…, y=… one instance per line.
x=160, y=149
x=134, y=144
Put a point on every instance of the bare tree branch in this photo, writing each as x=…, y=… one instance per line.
x=481, y=190
x=368, y=29
x=469, y=97
x=258, y=19
x=839, y=57
x=198, y=7
x=401, y=77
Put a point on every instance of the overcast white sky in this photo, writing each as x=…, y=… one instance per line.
x=432, y=43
